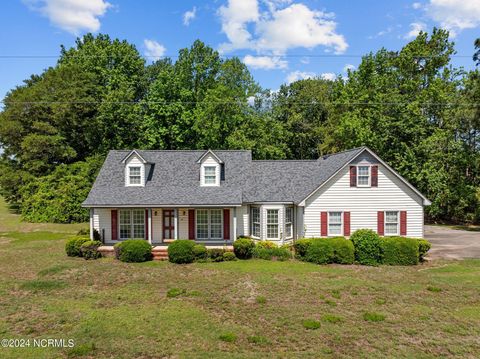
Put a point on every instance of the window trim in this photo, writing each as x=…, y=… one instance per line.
x=131, y=224
x=278, y=224
x=129, y=176
x=289, y=223
x=209, y=224
x=259, y=221
x=369, y=167
x=342, y=224
x=397, y=233
x=214, y=183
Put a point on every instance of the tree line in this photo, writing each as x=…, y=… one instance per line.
x=412, y=107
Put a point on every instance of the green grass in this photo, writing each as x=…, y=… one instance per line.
x=252, y=308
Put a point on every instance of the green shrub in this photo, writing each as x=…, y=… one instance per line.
x=301, y=246
x=215, y=254
x=243, y=247
x=181, y=251
x=277, y=253
x=367, y=246
x=229, y=256
x=399, y=250
x=133, y=251
x=320, y=251
x=343, y=250
x=311, y=324
x=266, y=244
x=200, y=252
x=89, y=249
x=73, y=245
x=423, y=247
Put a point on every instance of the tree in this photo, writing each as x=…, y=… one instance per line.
x=476, y=55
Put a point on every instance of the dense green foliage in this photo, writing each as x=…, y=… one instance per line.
x=133, y=251
x=89, y=249
x=200, y=252
x=423, y=247
x=319, y=251
x=74, y=245
x=367, y=247
x=325, y=250
x=411, y=106
x=243, y=247
x=181, y=251
x=399, y=250
x=268, y=252
x=343, y=250
x=301, y=246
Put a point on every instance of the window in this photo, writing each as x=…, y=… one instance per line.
x=289, y=222
x=334, y=223
x=255, y=213
x=272, y=223
x=134, y=175
x=391, y=223
x=363, y=176
x=209, y=224
x=210, y=175
x=132, y=223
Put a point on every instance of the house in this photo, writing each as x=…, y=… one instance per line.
x=215, y=196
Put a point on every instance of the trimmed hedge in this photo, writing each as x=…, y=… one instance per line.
x=268, y=253
x=367, y=247
x=74, y=244
x=320, y=251
x=399, y=250
x=301, y=246
x=423, y=247
x=325, y=250
x=133, y=251
x=181, y=251
x=200, y=252
x=343, y=250
x=243, y=247
x=215, y=254
x=229, y=256
x=89, y=249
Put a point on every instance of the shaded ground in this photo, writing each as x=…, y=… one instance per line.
x=451, y=243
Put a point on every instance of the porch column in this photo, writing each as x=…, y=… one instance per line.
x=91, y=224
x=234, y=224
x=149, y=229
x=175, y=223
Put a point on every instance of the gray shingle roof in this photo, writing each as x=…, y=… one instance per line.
x=175, y=179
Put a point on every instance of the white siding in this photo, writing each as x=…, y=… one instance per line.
x=134, y=161
x=363, y=203
x=243, y=221
x=102, y=221
x=210, y=162
x=157, y=225
x=298, y=225
x=183, y=223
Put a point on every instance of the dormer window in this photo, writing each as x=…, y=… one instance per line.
x=210, y=175
x=135, y=175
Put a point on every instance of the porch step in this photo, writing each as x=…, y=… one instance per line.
x=160, y=253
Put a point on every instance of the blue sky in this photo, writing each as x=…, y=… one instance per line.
x=280, y=40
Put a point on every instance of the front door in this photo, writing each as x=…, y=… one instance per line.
x=168, y=224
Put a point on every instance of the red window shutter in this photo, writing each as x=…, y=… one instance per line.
x=353, y=176
x=381, y=223
x=191, y=224
x=114, y=214
x=226, y=224
x=146, y=224
x=323, y=224
x=375, y=176
x=346, y=224
x=403, y=223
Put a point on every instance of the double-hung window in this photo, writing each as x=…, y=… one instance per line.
x=255, y=213
x=132, y=223
x=209, y=224
x=272, y=223
x=289, y=222
x=210, y=175
x=363, y=176
x=391, y=223
x=335, y=223
x=134, y=175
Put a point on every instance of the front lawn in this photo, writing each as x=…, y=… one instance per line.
x=251, y=308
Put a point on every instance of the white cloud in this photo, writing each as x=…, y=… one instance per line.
x=415, y=28
x=189, y=15
x=73, y=16
x=328, y=76
x=265, y=62
x=299, y=75
x=349, y=67
x=416, y=5
x=281, y=27
x=454, y=15
x=153, y=49
x=381, y=33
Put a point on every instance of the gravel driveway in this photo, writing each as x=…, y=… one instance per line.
x=451, y=243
